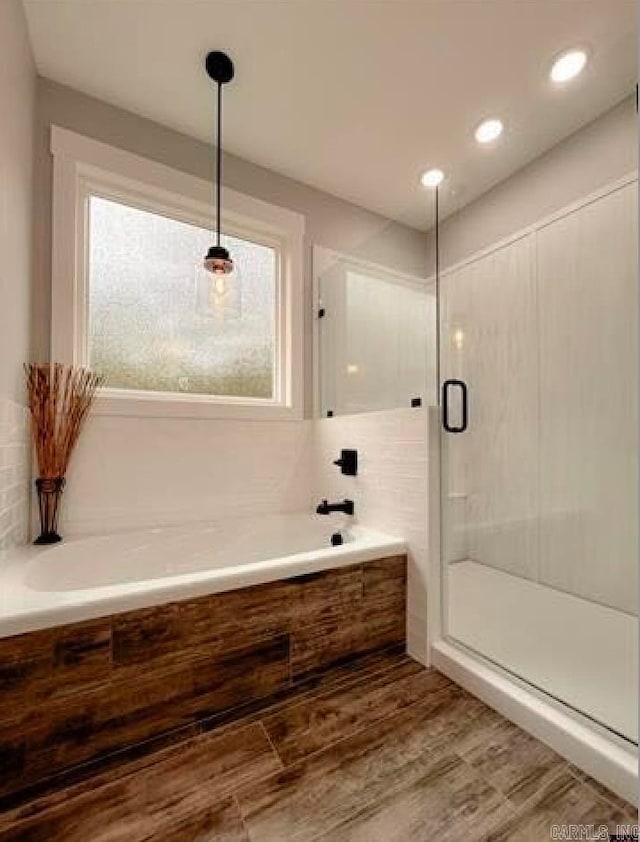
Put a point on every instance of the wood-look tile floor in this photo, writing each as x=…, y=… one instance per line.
x=380, y=751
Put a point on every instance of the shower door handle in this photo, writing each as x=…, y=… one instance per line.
x=446, y=388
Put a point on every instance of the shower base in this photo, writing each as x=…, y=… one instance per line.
x=567, y=665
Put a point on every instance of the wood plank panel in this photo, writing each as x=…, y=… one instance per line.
x=25, y=665
x=141, y=636
x=127, y=713
x=79, y=693
x=81, y=654
x=184, y=793
x=301, y=730
x=363, y=611
x=323, y=790
x=243, y=616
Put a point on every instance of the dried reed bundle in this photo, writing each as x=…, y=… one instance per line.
x=60, y=397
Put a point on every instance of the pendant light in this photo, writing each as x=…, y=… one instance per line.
x=220, y=68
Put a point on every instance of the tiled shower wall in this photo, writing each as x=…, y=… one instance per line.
x=14, y=475
x=542, y=486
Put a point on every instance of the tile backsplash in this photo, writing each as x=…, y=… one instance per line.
x=130, y=473
x=15, y=459
x=390, y=490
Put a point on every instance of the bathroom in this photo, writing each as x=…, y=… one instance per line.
x=331, y=533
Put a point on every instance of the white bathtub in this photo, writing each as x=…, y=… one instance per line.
x=94, y=576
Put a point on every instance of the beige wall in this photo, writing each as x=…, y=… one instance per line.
x=594, y=156
x=330, y=221
x=17, y=98
x=17, y=91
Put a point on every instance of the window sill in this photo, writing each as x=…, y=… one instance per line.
x=132, y=404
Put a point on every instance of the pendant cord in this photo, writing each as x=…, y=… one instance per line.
x=218, y=163
x=438, y=314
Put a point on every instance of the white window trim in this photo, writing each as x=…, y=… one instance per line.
x=82, y=166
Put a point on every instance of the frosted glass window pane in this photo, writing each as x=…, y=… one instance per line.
x=159, y=322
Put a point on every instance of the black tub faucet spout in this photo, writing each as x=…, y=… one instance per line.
x=326, y=508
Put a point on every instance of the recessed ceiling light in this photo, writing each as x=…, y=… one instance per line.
x=432, y=178
x=489, y=130
x=568, y=65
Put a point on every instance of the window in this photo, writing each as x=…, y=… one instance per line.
x=170, y=338
x=159, y=322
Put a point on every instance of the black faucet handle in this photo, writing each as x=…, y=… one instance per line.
x=349, y=507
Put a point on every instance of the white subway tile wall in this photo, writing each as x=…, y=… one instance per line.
x=390, y=491
x=129, y=473
x=14, y=474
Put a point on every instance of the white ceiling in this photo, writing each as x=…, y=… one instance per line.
x=356, y=97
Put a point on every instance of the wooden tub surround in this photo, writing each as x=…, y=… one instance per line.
x=85, y=696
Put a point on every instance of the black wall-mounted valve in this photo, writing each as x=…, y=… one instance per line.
x=348, y=462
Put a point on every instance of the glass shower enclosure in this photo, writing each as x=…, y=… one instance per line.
x=539, y=485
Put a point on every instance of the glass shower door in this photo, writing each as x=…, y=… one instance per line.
x=538, y=349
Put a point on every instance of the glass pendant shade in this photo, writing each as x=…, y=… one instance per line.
x=218, y=288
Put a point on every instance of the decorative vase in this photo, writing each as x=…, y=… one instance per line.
x=49, y=493
x=60, y=397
